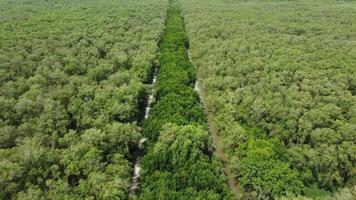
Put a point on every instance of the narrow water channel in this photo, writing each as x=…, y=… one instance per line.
x=219, y=148
x=137, y=168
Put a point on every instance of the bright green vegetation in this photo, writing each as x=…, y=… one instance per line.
x=280, y=77
x=72, y=77
x=179, y=163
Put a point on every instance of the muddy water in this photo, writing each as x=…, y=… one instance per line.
x=219, y=148
x=150, y=98
x=137, y=168
x=197, y=88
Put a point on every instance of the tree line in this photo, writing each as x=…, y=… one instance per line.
x=179, y=163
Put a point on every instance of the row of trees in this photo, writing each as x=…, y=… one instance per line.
x=179, y=163
x=72, y=84
x=280, y=79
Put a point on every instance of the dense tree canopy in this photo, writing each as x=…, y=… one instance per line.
x=180, y=166
x=280, y=80
x=179, y=163
x=72, y=77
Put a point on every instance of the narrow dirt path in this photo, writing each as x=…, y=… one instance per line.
x=219, y=148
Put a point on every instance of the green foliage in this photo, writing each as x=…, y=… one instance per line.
x=180, y=166
x=72, y=77
x=176, y=101
x=179, y=163
x=174, y=108
x=262, y=170
x=279, y=71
